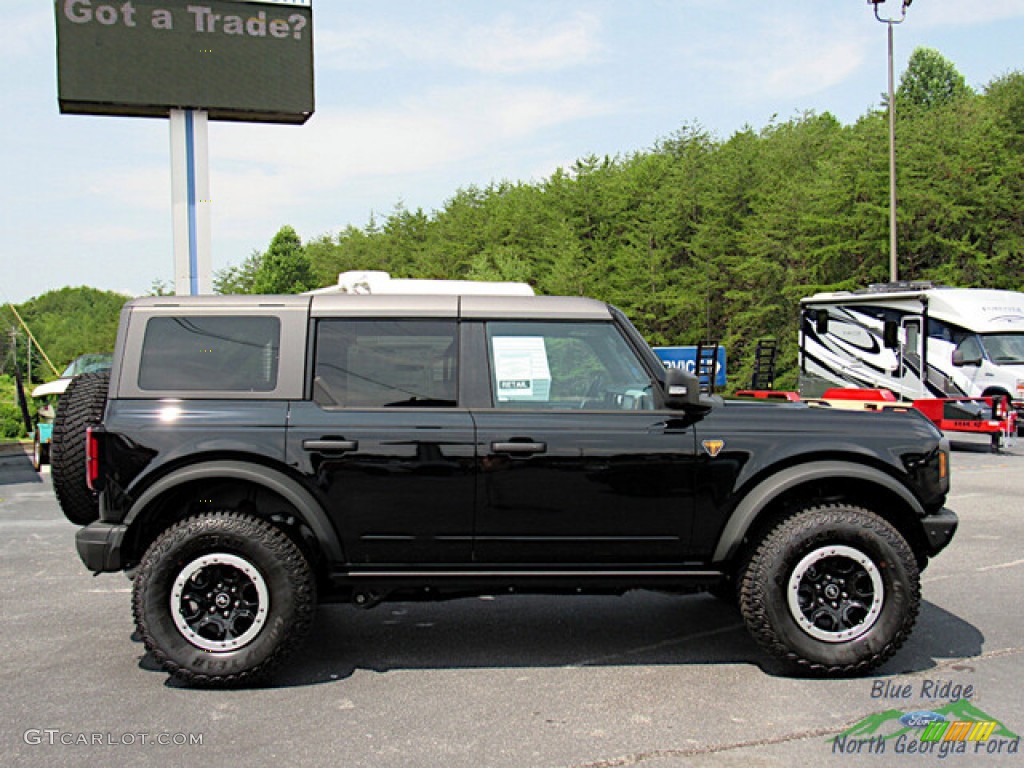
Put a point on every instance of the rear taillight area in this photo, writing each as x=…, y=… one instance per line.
x=92, y=459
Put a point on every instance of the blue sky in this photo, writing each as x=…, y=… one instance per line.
x=415, y=99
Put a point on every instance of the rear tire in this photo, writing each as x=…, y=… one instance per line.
x=80, y=406
x=220, y=599
x=832, y=590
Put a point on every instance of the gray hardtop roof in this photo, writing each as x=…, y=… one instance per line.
x=361, y=305
x=534, y=308
x=476, y=307
x=237, y=301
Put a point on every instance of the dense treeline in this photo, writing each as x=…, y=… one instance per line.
x=700, y=238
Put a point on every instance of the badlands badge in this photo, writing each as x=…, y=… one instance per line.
x=713, y=447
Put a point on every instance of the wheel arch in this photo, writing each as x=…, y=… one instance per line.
x=995, y=389
x=775, y=496
x=161, y=503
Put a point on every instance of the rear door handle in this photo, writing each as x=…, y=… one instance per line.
x=325, y=445
x=519, y=447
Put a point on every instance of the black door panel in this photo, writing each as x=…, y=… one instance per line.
x=578, y=488
x=400, y=483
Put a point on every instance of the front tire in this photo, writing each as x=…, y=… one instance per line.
x=832, y=590
x=222, y=598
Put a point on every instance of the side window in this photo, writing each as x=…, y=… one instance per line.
x=954, y=334
x=386, y=363
x=939, y=330
x=913, y=329
x=971, y=348
x=224, y=354
x=568, y=366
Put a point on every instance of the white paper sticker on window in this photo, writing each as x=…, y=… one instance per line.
x=521, y=368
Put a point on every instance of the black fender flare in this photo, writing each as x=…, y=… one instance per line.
x=288, y=488
x=772, y=487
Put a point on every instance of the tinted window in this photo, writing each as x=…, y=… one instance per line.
x=386, y=363
x=565, y=366
x=230, y=354
x=937, y=329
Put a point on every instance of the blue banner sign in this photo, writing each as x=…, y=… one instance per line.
x=686, y=359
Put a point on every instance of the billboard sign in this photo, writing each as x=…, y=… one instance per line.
x=248, y=60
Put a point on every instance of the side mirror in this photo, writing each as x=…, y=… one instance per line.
x=960, y=360
x=682, y=389
x=821, y=321
x=891, y=334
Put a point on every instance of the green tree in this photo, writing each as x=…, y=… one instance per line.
x=930, y=80
x=285, y=267
x=240, y=278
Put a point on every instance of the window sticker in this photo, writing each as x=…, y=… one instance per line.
x=521, y=369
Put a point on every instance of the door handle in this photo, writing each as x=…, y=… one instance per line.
x=325, y=445
x=519, y=447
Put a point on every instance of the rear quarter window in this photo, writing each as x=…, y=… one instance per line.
x=225, y=353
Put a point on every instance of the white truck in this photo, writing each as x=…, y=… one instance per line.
x=918, y=339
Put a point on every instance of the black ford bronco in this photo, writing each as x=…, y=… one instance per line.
x=252, y=455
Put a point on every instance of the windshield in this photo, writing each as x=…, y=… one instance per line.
x=94, y=363
x=1004, y=348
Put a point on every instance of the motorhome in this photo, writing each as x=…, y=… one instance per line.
x=919, y=340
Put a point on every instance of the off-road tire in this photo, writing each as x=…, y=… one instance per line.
x=175, y=613
x=80, y=406
x=808, y=557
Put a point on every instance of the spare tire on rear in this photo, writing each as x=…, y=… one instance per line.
x=80, y=406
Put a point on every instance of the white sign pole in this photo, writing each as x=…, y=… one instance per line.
x=190, y=202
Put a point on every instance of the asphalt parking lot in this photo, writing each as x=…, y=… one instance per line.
x=645, y=679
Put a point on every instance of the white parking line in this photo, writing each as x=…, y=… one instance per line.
x=1001, y=565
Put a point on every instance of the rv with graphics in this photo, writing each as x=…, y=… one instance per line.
x=919, y=340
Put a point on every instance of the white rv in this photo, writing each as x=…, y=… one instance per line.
x=917, y=339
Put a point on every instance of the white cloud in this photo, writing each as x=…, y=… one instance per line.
x=424, y=133
x=258, y=171
x=505, y=45
x=787, y=58
x=809, y=70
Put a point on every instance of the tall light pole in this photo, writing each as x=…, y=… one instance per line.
x=890, y=23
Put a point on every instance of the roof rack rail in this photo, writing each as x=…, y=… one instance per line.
x=901, y=286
